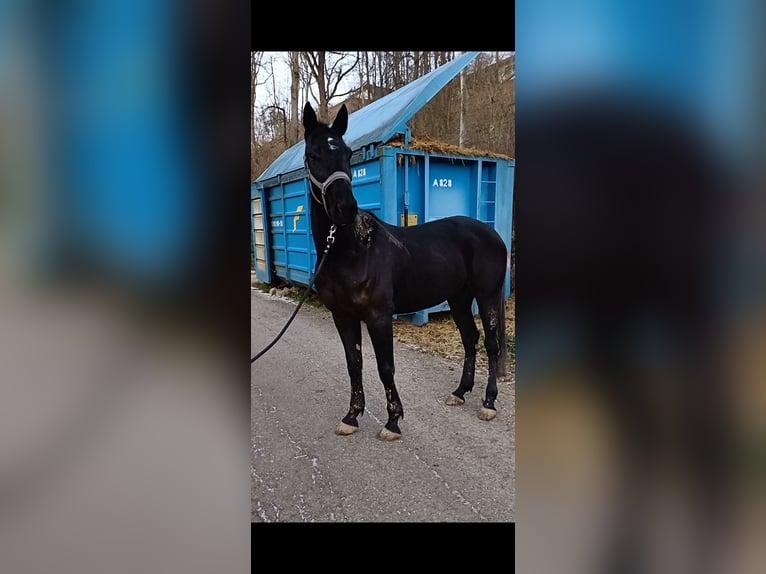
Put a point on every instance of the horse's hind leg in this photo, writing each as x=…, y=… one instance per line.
x=493, y=320
x=350, y=331
x=469, y=334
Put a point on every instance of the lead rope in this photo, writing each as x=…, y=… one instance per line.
x=330, y=241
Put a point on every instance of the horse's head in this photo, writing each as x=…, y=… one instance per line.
x=328, y=163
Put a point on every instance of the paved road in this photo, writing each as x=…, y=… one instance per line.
x=448, y=466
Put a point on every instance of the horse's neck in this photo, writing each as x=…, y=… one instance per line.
x=345, y=239
x=320, y=226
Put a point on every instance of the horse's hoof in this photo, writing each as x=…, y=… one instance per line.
x=345, y=430
x=486, y=414
x=386, y=434
x=454, y=401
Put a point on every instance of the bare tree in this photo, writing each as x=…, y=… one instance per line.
x=256, y=79
x=328, y=70
x=478, y=114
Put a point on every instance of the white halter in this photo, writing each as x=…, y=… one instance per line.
x=334, y=176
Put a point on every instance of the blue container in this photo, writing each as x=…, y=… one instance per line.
x=388, y=180
x=430, y=185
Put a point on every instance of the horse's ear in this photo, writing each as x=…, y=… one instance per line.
x=341, y=120
x=309, y=118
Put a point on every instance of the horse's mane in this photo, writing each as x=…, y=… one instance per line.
x=384, y=227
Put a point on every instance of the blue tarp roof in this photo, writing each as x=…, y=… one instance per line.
x=383, y=118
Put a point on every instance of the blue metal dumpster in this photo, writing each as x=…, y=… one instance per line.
x=391, y=177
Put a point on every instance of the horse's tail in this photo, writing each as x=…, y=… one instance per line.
x=501, y=361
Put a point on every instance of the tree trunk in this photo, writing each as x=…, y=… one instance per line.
x=321, y=78
x=363, y=67
x=381, y=76
x=461, y=137
x=295, y=81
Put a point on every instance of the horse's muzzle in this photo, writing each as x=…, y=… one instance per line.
x=344, y=212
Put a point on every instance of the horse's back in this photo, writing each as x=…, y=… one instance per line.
x=457, y=229
x=478, y=241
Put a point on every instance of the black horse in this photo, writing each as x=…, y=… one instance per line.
x=374, y=270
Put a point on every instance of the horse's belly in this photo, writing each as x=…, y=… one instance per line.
x=419, y=297
x=414, y=306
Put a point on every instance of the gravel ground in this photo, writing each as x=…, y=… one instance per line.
x=449, y=466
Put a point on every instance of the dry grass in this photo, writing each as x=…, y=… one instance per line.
x=427, y=144
x=441, y=337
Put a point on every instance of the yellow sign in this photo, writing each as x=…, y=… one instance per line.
x=412, y=219
x=295, y=218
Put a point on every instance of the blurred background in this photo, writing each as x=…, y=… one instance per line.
x=640, y=292
x=124, y=330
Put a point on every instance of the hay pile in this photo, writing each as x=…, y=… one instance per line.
x=427, y=144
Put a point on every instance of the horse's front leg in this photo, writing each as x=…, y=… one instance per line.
x=350, y=331
x=381, y=332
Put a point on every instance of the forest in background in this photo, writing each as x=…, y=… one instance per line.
x=477, y=109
